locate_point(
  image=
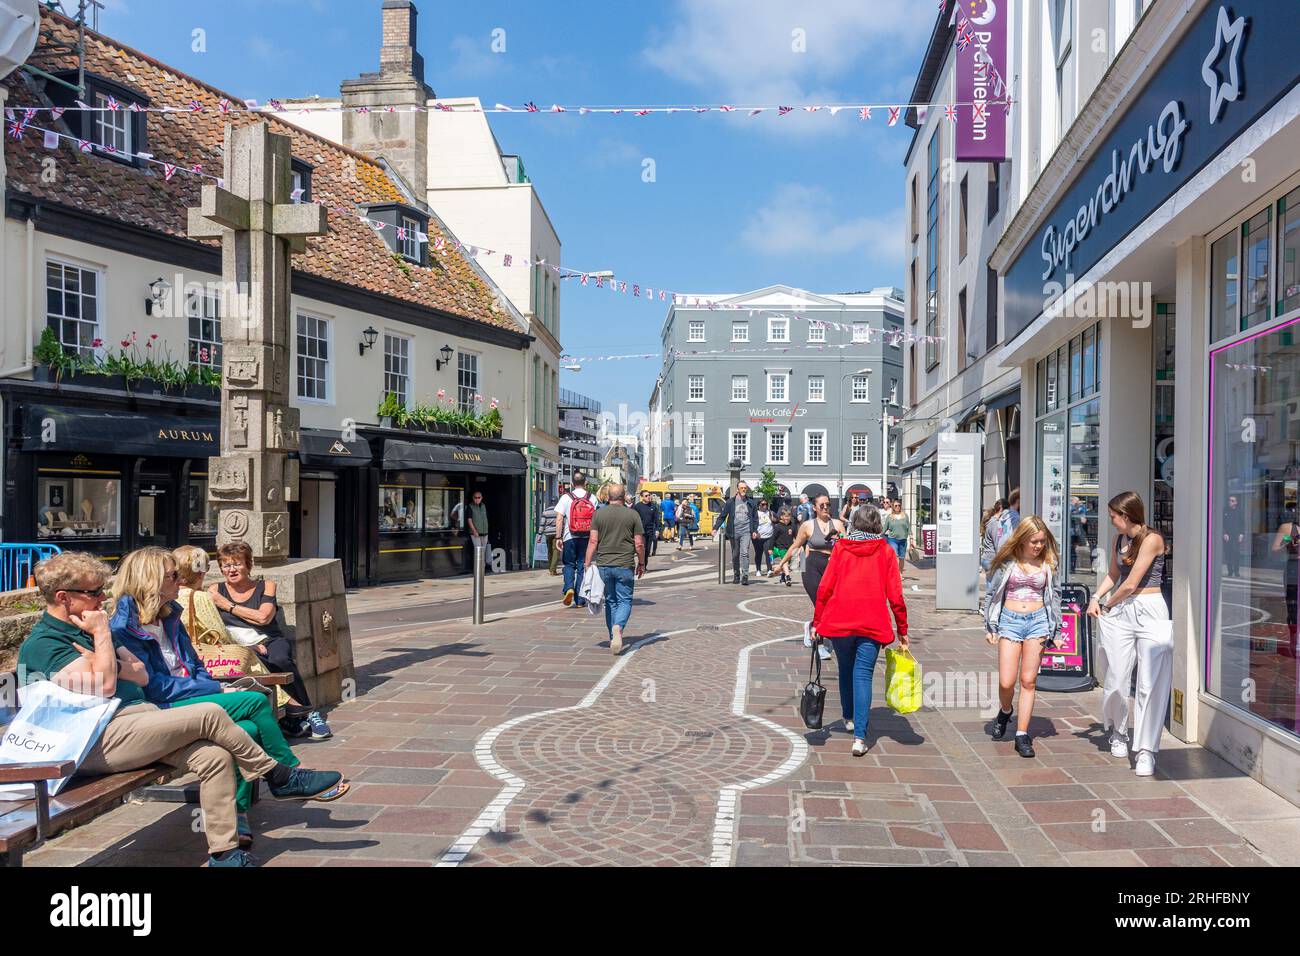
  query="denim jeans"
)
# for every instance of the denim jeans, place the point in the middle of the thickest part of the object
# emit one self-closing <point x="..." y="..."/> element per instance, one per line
<point x="857" y="660"/>
<point x="619" y="583"/>
<point x="575" y="562"/>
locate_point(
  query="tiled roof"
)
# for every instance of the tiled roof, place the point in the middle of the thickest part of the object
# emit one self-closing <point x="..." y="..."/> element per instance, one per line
<point x="351" y="253"/>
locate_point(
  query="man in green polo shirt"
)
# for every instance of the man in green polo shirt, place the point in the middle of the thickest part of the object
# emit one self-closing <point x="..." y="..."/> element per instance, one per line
<point x="73" y="646"/>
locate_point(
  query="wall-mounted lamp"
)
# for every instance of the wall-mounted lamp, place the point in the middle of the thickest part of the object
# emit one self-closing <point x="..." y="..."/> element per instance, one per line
<point x="447" y="353"/>
<point x="369" y="336"/>
<point x="158" y="290"/>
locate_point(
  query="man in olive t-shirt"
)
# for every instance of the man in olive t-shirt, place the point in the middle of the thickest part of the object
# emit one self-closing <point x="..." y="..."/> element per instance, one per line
<point x="617" y="548"/>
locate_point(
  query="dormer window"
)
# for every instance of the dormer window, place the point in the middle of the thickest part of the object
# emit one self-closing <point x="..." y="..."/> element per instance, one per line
<point x="301" y="182"/>
<point x="117" y="130"/>
<point x="404" y="230"/>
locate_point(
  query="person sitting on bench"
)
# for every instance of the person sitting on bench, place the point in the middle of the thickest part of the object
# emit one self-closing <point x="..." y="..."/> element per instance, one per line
<point x="147" y="622"/>
<point x="73" y="646"/>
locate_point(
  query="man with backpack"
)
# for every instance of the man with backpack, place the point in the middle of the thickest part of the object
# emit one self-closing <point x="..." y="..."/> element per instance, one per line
<point x="573" y="515"/>
<point x="1009" y="518"/>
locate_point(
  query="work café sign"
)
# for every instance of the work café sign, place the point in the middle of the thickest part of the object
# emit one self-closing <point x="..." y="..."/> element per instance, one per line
<point x="982" y="126"/>
<point x="1232" y="64"/>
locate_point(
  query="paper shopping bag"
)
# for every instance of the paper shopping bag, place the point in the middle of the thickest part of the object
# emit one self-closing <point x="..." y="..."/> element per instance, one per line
<point x="53" y="724"/>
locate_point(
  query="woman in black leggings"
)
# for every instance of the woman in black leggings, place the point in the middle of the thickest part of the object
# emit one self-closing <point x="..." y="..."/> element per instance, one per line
<point x="818" y="536"/>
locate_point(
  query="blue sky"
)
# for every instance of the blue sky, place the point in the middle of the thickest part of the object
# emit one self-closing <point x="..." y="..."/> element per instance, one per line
<point x="808" y="200"/>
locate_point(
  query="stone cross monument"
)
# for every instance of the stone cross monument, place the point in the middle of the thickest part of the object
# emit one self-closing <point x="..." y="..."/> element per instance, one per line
<point x="259" y="227"/>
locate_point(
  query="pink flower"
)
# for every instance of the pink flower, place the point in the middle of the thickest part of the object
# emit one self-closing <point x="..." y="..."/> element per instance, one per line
<point x="148" y="345"/>
<point x="153" y="337"/>
<point x="495" y="403"/>
<point x="442" y="393"/>
<point x="97" y="344"/>
<point x="478" y="399"/>
<point x="132" y="336"/>
<point x="203" y="355"/>
<point x="125" y="343"/>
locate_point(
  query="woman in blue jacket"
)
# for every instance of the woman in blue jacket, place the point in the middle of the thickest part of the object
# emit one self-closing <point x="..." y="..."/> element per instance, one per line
<point x="147" y="620"/>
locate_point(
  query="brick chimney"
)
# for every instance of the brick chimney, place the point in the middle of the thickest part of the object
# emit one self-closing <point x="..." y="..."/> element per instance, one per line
<point x="398" y="54"/>
<point x="402" y="137"/>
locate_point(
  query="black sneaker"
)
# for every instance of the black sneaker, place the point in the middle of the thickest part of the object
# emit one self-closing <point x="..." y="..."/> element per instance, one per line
<point x="1000" y="725"/>
<point x="745" y="580"/>
<point x="1024" y="746"/>
<point x="295" y="726"/>
<point x="310" y="785"/>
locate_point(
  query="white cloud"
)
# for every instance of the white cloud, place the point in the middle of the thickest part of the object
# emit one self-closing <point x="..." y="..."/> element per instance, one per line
<point x="606" y="152"/>
<point x="742" y="50"/>
<point x="801" y="220"/>
<point x="474" y="57"/>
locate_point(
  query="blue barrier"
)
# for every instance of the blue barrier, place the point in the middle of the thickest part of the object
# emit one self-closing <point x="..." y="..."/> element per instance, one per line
<point x="17" y="561"/>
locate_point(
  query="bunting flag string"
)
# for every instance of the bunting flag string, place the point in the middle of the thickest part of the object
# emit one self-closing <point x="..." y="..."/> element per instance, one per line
<point x="440" y="244"/>
<point x="225" y="106"/>
<point x="687" y="353"/>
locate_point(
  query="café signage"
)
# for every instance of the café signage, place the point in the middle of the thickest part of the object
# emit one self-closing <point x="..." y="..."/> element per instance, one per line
<point x="1233" y="63"/>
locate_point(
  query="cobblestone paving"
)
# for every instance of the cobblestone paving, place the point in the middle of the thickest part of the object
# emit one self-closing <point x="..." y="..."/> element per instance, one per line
<point x="655" y="773"/>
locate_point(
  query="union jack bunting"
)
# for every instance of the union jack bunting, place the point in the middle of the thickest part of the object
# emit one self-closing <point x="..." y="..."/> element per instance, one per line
<point x="531" y="107"/>
<point x="755" y="112"/>
<point x="623" y="287"/>
<point x="168" y="171"/>
<point x="584" y="278"/>
<point x="963" y="42"/>
<point x="893" y="114"/>
<point x="439" y="243"/>
<point x="224" y="105"/>
<point x="864" y="113"/>
<point x="51" y="140"/>
<point x="979" y="111"/>
<point x="15" y="131"/>
<point x="401" y="233"/>
<point x="699" y="109"/>
<point x="85" y="145"/>
<point x="642" y="113"/>
<point x="197" y="168"/>
<point x="135" y="108"/>
<point x="390" y="109"/>
<point x="196" y="106"/>
<point x="276" y="106"/>
<point x="727" y="109"/>
<point x="113" y="104"/>
<point x="557" y="108"/>
<point x="636" y="291"/>
<point x="363" y="109"/>
<point x="56" y="112"/>
<point x="782" y="110"/>
<point x="661" y="295"/>
<point x="951" y="113"/>
<point x="507" y="260"/>
<point x="583" y="111"/>
<point x="600" y="281"/>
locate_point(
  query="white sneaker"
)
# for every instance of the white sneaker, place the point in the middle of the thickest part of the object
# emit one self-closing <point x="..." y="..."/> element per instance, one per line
<point x="807" y="633"/>
<point x="1119" y="747"/>
<point x="824" y="652"/>
<point x="1146" y="764"/>
<point x="848" y="725"/>
<point x="859" y="747"/>
<point x="616" y="640"/>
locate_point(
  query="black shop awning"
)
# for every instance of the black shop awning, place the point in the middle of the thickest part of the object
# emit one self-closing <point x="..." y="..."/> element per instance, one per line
<point x="64" y="428"/>
<point x="922" y="455"/>
<point x="326" y="448"/>
<point x="1008" y="398"/>
<point x="435" y="456"/>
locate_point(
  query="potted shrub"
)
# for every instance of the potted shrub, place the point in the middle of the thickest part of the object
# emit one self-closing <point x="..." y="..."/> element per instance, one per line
<point x="391" y="412"/>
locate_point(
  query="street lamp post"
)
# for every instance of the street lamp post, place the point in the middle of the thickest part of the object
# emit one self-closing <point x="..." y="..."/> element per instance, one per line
<point x="861" y="371"/>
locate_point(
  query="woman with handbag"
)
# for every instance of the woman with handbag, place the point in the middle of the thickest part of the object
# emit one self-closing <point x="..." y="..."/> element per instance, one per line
<point x="148" y="621"/>
<point x="248" y="608"/>
<point x="860" y="587"/>
<point x="1022" y="616"/>
<point x="817" y="536"/>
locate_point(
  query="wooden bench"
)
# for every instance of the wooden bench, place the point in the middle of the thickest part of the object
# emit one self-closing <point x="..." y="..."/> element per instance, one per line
<point x="27" y="823"/>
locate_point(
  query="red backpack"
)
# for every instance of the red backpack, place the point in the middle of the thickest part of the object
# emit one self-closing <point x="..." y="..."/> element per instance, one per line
<point x="580" y="514"/>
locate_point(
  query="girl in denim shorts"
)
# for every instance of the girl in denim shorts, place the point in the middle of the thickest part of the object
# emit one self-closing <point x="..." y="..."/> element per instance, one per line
<point x="1022" y="616"/>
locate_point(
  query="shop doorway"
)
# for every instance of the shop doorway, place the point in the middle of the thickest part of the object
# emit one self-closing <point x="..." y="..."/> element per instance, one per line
<point x="317" y="514"/>
<point x="154" y="512"/>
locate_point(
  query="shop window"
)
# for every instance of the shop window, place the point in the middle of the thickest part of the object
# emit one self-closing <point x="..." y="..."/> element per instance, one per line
<point x="1076" y="368"/>
<point x="72" y="306"/>
<point x="68" y="506"/>
<point x="400" y="503"/>
<point x="443" y="508"/>
<point x="202" y="513"/>
<point x="1254" y="528"/>
<point x="1256" y="239"/>
<point x="1084" y="488"/>
<point x="1223" y="288"/>
<point x="1288" y="252"/>
<point x="1053" y="394"/>
<point x="203" y="310"/>
<point x="1089" y="360"/>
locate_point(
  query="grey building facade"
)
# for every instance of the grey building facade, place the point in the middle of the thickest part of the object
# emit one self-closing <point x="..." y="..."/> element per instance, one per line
<point x="805" y="384"/>
<point x="580" y="449"/>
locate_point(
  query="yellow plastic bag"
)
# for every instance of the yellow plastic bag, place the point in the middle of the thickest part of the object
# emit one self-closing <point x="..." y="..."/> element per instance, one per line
<point x="902" y="681"/>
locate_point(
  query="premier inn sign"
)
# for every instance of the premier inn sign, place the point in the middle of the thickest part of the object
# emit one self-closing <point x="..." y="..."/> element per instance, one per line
<point x="1233" y="62"/>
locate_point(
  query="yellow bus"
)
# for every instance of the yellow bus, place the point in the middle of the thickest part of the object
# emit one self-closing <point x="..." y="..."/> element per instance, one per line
<point x="708" y="498"/>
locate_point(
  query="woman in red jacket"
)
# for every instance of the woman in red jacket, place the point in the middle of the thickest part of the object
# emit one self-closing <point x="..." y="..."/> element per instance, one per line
<point x="861" y="583"/>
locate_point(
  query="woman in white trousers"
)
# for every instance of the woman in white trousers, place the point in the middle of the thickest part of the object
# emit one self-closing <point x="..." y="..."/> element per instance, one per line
<point x="1135" y="629"/>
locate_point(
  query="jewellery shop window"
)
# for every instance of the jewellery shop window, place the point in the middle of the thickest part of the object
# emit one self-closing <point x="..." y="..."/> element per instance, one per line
<point x="401" y="498"/>
<point x="78" y="507"/>
<point x="442" y="508"/>
<point x="202" y="513"/>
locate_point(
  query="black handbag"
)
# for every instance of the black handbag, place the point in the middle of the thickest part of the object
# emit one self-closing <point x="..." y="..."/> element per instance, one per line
<point x="813" y="700"/>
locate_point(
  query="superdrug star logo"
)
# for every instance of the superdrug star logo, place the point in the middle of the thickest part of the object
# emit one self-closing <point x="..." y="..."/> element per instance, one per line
<point x="1225" y="31"/>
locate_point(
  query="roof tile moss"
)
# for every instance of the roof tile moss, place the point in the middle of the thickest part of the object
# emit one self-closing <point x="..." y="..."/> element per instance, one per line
<point x="351" y="252"/>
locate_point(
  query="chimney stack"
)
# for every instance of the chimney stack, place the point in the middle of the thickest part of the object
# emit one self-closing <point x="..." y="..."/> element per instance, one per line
<point x="398" y="54"/>
<point x="401" y="137"/>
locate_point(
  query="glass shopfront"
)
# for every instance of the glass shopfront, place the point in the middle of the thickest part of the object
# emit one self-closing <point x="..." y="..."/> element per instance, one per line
<point x="1254" y="566"/>
<point x="78" y="506"/>
<point x="1069" y="449"/>
<point x="421" y="514"/>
